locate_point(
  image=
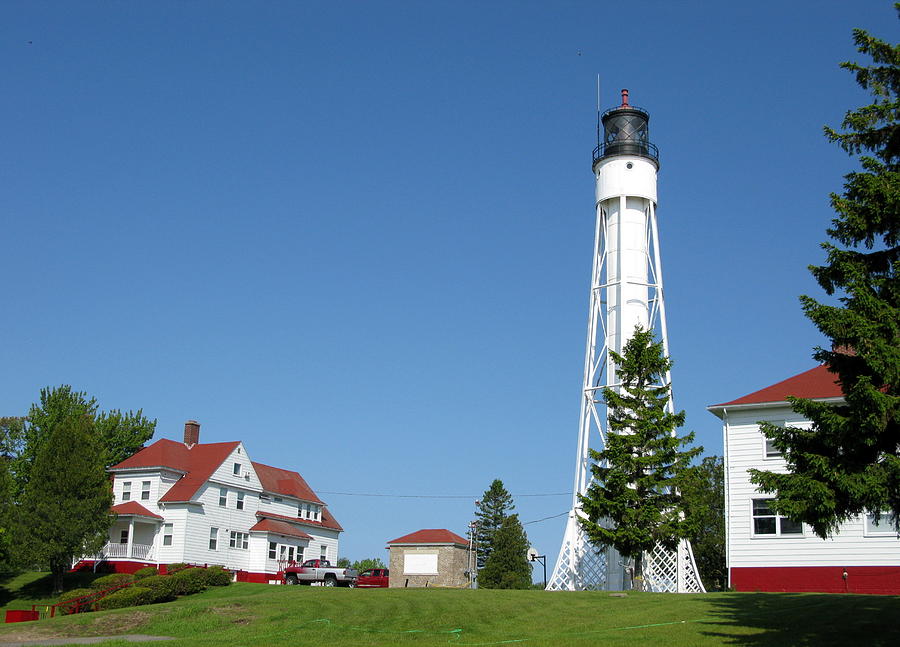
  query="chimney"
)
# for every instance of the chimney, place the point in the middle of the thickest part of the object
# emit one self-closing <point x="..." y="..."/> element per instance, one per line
<point x="191" y="432"/>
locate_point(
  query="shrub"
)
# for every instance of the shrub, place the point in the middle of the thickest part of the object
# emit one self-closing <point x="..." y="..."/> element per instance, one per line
<point x="131" y="597"/>
<point x="110" y="581"/>
<point x="71" y="595"/>
<point x="145" y="572"/>
<point x="217" y="576"/>
<point x="177" y="566"/>
<point x="190" y="580"/>
<point x="163" y="587"/>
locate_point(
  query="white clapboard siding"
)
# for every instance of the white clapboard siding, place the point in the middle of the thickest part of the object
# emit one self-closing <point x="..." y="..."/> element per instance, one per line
<point x="745" y="449"/>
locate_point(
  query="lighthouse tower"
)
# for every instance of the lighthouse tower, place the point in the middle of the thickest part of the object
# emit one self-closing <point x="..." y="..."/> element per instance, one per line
<point x="626" y="290"/>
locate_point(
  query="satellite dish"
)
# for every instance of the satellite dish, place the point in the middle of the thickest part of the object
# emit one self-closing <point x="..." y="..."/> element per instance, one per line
<point x="532" y="553"/>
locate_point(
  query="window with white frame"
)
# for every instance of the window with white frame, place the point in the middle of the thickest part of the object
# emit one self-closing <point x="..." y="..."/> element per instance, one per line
<point x="767" y="523"/>
<point x="145" y="490"/>
<point x="769" y="448"/>
<point x="236" y="469"/>
<point x="316" y="511"/>
<point x="282" y="552"/>
<point x="290" y="553"/>
<point x="126" y="491"/>
<point x="240" y="501"/>
<point x="323" y="553"/>
<point x="299" y="554"/>
<point x="213" y="538"/>
<point x="123" y="536"/>
<point x="880" y="528"/>
<point x="223" y="497"/>
<point x="167" y="534"/>
<point x="273" y="550"/>
<point x="239" y="540"/>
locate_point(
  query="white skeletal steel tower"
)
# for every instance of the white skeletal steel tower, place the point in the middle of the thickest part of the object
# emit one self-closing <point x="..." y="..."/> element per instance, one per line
<point x="626" y="290"/>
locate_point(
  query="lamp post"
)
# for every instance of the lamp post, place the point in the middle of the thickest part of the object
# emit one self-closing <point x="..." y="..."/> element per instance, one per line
<point x="534" y="557"/>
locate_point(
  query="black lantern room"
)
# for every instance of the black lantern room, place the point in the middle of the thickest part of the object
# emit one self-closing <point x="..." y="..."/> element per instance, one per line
<point x="626" y="131"/>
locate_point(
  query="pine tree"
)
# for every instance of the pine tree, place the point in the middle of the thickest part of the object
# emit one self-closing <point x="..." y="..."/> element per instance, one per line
<point x="494" y="506"/>
<point x="849" y="461"/>
<point x="64" y="511"/>
<point x="633" y="503"/>
<point x="508" y="566"/>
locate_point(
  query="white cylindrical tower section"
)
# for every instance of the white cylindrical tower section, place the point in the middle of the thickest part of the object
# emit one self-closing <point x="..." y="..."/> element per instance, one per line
<point x="625" y="167"/>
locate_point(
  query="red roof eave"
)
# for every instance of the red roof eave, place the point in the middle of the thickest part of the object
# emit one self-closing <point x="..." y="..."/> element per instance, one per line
<point x="816" y="384"/>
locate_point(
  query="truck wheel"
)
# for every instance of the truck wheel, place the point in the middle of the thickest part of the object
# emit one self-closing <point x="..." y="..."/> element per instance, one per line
<point x="291" y="579"/>
<point x="330" y="581"/>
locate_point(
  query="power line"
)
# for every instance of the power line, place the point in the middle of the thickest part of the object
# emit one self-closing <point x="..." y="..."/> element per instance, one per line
<point x="546" y="518"/>
<point x="434" y="496"/>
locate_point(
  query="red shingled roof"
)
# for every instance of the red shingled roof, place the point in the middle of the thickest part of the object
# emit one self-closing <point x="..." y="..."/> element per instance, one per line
<point x="280" y="527"/>
<point x="328" y="521"/>
<point x="199" y="462"/>
<point x="817" y="382"/>
<point x="133" y="508"/>
<point x="279" y="481"/>
<point x="431" y="536"/>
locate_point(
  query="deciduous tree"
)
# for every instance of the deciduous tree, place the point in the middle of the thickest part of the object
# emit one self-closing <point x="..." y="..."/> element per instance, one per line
<point x="703" y="491"/>
<point x="848" y="462"/>
<point x="633" y="502"/>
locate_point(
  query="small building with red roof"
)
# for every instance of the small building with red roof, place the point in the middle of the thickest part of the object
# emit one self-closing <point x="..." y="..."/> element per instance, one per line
<point x="767" y="552"/>
<point x="430" y="557"/>
<point x="209" y="503"/>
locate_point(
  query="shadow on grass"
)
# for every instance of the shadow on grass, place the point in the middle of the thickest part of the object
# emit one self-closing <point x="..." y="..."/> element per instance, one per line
<point x="769" y="619"/>
<point x="39" y="588"/>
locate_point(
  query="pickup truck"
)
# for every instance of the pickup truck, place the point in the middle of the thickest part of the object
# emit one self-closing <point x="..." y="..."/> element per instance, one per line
<point x="373" y="578"/>
<point x="318" y="570"/>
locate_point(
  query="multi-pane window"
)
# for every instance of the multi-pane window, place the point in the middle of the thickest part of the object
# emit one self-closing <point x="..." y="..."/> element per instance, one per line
<point x="769" y="449"/>
<point x="167" y="534"/>
<point x="316" y="510"/>
<point x="282" y="552"/>
<point x="236" y="469"/>
<point x="145" y="490"/>
<point x="126" y="491"/>
<point x="323" y="553"/>
<point x="290" y="553"/>
<point x="882" y="527"/>
<point x="273" y="548"/>
<point x="123" y="537"/>
<point x="240" y="501"/>
<point x="299" y="554"/>
<point x="239" y="540"/>
<point x="766" y="522"/>
<point x="223" y="497"/>
<point x="213" y="538"/>
<point x="302" y="511"/>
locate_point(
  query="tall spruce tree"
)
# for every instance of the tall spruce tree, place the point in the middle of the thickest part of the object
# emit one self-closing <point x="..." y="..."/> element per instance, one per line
<point x="64" y="511"/>
<point x="508" y="566"/>
<point x="633" y="502"/>
<point x="490" y="511"/>
<point x="848" y="462"/>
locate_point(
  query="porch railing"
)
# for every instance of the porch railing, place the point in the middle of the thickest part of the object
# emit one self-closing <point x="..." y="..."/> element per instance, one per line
<point x="120" y="551"/>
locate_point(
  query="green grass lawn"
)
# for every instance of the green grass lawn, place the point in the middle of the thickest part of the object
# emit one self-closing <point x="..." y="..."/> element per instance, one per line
<point x="256" y="615"/>
<point x="21" y="590"/>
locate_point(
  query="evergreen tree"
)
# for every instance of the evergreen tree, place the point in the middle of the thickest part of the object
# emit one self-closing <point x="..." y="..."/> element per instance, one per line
<point x="633" y="502"/>
<point x="120" y="434"/>
<point x="494" y="506"/>
<point x="703" y="491"/>
<point x="849" y="461"/>
<point x="64" y="512"/>
<point x="508" y="566"/>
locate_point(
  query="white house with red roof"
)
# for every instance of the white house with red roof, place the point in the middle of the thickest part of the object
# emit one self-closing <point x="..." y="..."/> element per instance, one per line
<point x="208" y="503"/>
<point x="767" y="552"/>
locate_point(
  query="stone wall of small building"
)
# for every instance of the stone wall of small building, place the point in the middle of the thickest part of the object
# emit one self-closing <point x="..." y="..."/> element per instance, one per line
<point x="451" y="566"/>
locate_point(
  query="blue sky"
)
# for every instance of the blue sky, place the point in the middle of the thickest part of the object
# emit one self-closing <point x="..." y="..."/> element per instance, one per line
<point x="357" y="236"/>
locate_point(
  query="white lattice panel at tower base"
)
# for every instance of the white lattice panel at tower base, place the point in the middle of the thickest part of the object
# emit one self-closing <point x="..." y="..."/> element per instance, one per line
<point x="579" y="567"/>
<point x="667" y="571"/>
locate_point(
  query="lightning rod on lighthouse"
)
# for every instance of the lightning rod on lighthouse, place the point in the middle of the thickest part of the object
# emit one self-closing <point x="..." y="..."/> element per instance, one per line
<point x="626" y="290"/>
